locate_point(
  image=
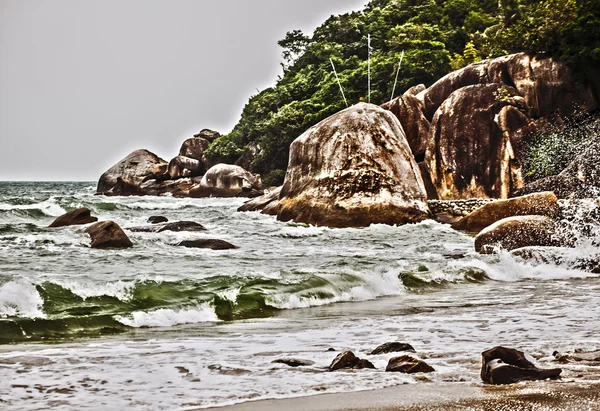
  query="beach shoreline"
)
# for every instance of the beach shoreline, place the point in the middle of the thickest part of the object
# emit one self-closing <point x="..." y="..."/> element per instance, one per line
<point x="546" y="395"/>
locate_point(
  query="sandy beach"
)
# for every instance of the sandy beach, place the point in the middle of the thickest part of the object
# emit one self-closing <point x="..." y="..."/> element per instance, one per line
<point x="548" y="395"/>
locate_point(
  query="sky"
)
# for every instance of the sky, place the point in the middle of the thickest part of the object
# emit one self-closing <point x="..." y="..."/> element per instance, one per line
<point x="84" y="83"/>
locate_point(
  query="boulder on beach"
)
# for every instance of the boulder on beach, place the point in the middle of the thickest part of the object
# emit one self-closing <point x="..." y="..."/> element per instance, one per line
<point x="207" y="243"/>
<point x="544" y="203"/>
<point x="471" y="153"/>
<point x="263" y="202"/>
<point x="516" y="232"/>
<point x="226" y="180"/>
<point x="392" y="347"/>
<point x="502" y="365"/>
<point x="347" y="359"/>
<point x="126" y="177"/>
<point x="76" y="217"/>
<point x="108" y="234"/>
<point x="408" y="365"/>
<point x="353" y="169"/>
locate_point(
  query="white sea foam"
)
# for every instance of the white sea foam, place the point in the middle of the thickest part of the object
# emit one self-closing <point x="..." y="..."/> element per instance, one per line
<point x="49" y="207"/>
<point x="121" y="290"/>
<point x="20" y="299"/>
<point x="167" y="317"/>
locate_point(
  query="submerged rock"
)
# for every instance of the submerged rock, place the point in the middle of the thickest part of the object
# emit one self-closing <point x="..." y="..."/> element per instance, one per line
<point x="353" y="169"/>
<point x="207" y="243"/>
<point x="347" y="359"/>
<point x="126" y="177"/>
<point x="392" y="347"/>
<point x="501" y="365"/>
<point x="157" y="219"/>
<point x="560" y="256"/>
<point x="544" y="203"/>
<point x="108" y="234"/>
<point x="76" y="217"/>
<point x="516" y="232"/>
<point x="408" y="365"/>
<point x="294" y="362"/>
<point x="175" y="226"/>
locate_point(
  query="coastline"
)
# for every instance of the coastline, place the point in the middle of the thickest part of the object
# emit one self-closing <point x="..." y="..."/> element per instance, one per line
<point x="535" y="395"/>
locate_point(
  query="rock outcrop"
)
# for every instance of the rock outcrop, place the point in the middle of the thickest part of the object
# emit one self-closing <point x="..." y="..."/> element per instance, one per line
<point x="225" y="180"/>
<point x="408" y="365"/>
<point x="76" y="217"/>
<point x="126" y="177"/>
<point x="544" y="203"/>
<point x="353" y="169"/>
<point x="266" y="203"/>
<point x="516" y="232"/>
<point x="501" y="365"/>
<point x="108" y="234"/>
<point x="181" y="167"/>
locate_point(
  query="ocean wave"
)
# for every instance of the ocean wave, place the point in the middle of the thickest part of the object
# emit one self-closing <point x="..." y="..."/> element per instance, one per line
<point x="20" y="299"/>
<point x="169" y="317"/>
<point x="49" y="207"/>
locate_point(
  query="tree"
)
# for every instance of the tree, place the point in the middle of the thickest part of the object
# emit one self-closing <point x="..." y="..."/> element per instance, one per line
<point x="294" y="44"/>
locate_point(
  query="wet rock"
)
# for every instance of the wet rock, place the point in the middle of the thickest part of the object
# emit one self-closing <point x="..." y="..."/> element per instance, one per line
<point x="516" y="232"/>
<point x="345" y="359"/>
<point x="363" y="364"/>
<point x="502" y="365"/>
<point x="260" y="203"/>
<point x="157" y="219"/>
<point x="408" y="365"/>
<point x="75" y="217"/>
<point x="392" y="347"/>
<point x="225" y="180"/>
<point x="108" y="234"/>
<point x="592" y="357"/>
<point x="353" y="169"/>
<point x="544" y="203"/>
<point x="126" y="177"/>
<point x="176" y="226"/>
<point x="560" y="256"/>
<point x="294" y="362"/>
<point x="207" y="243"/>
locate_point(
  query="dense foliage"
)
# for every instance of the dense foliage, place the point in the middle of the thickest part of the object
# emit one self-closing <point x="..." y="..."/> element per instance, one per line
<point x="437" y="36"/>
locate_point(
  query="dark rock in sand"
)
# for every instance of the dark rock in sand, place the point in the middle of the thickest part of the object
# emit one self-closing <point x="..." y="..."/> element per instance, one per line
<point x="353" y="169"/>
<point x="408" y="365"/>
<point x="75" y="217"/>
<point x="293" y="362"/>
<point x="263" y="202"/>
<point x="207" y="243"/>
<point x="157" y="219"/>
<point x="176" y="226"/>
<point x="392" y="347"/>
<point x="108" y="234"/>
<point x="516" y="232"/>
<point x="544" y="203"/>
<point x="126" y="177"/>
<point x="501" y="365"/>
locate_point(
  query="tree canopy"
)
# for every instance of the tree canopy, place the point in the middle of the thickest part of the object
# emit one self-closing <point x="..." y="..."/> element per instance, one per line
<point x="436" y="36"/>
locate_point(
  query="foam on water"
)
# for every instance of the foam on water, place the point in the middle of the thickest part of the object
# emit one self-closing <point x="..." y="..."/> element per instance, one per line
<point x="50" y="207"/>
<point x="20" y="299"/>
<point x="170" y="317"/>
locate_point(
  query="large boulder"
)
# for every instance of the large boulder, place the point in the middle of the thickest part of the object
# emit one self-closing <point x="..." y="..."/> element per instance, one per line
<point x="501" y="365"/>
<point x="516" y="232"/>
<point x="194" y="148"/>
<point x="353" y="169"/>
<point x="182" y="167"/>
<point x="108" y="234"/>
<point x="75" y="217"/>
<point x="580" y="179"/>
<point x="126" y="177"/>
<point x="225" y="180"/>
<point x="544" y="203"/>
<point x="471" y="153"/>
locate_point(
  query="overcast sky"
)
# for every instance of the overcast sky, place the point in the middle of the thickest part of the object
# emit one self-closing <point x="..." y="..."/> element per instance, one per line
<point x="83" y="83"/>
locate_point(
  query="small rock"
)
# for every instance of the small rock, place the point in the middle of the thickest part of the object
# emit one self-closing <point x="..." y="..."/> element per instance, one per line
<point x="206" y="243"/>
<point x="293" y="362"/>
<point x="75" y="217"/>
<point x="345" y="359"/>
<point x="408" y="365"/>
<point x="156" y="219"/>
<point x="362" y="364"/>
<point x="108" y="234"/>
<point x="392" y="347"/>
<point x="501" y="365"/>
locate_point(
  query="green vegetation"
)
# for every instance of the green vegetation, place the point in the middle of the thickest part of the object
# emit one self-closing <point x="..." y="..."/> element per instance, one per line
<point x="437" y="37"/>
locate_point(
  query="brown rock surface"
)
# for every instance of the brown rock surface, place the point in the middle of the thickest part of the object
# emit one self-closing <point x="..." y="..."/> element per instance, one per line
<point x="516" y="232"/>
<point x="353" y="169"/>
<point x="544" y="203"/>
<point x="125" y="177"/>
<point x="501" y="365"/>
<point x="108" y="234"/>
<point x="408" y="365"/>
<point x="75" y="217"/>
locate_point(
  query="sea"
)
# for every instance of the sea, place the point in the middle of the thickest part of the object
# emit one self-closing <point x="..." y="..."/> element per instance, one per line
<point x="161" y="327"/>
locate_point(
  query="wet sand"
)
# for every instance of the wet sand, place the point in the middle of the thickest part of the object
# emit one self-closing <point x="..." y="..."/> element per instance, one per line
<point x="455" y="396"/>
